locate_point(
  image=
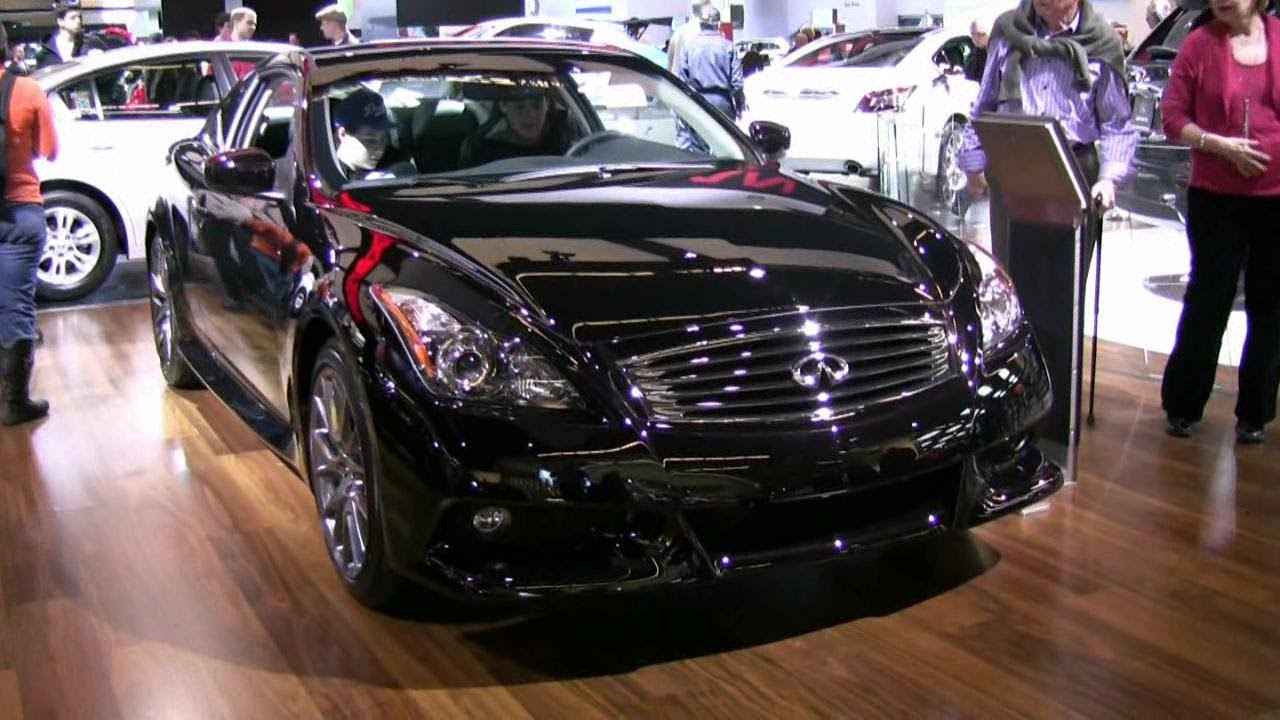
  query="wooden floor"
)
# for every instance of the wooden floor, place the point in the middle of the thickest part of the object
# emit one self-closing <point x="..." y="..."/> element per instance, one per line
<point x="157" y="561"/>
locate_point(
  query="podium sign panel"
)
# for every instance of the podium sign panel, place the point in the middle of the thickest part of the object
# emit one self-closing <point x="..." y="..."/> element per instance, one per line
<point x="1035" y="175"/>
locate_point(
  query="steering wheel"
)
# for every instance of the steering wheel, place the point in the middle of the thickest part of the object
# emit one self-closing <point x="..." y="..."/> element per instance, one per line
<point x="595" y="138"/>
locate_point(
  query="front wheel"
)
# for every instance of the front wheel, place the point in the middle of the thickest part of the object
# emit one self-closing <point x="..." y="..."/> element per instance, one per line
<point x="80" y="248"/>
<point x="164" y="323"/>
<point x="342" y="472"/>
<point x="951" y="180"/>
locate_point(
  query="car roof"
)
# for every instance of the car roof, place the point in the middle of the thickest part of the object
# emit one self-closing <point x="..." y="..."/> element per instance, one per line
<point x="329" y="60"/>
<point x="926" y="34"/>
<point x="390" y="48"/>
<point x="85" y="64"/>
<point x="589" y="23"/>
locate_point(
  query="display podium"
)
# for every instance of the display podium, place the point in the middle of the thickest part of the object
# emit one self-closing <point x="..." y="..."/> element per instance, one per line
<point x="1046" y="198"/>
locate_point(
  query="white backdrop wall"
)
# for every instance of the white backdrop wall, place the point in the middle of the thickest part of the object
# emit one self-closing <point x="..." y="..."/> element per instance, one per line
<point x="781" y="17"/>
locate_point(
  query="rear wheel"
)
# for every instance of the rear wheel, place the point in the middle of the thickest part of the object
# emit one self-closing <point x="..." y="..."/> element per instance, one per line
<point x="164" y="323"/>
<point x="80" y="249"/>
<point x="342" y="472"/>
<point x="950" y="180"/>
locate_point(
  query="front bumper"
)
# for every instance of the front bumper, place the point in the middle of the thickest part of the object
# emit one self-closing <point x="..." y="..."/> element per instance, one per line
<point x="591" y="514"/>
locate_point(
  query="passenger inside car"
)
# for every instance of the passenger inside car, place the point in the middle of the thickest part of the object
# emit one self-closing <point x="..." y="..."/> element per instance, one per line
<point x="526" y="123"/>
<point x="362" y="133"/>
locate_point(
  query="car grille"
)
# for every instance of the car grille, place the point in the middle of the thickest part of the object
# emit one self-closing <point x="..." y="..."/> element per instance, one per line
<point x="746" y="370"/>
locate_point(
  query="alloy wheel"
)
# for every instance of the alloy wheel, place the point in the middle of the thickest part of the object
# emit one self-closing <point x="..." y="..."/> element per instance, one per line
<point x="73" y="247"/>
<point x="161" y="305"/>
<point x="338" y="473"/>
<point x="953" y="178"/>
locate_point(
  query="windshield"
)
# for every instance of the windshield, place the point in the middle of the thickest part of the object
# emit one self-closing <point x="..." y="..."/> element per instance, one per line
<point x="1180" y="29"/>
<point x="869" y="50"/>
<point x="480" y="125"/>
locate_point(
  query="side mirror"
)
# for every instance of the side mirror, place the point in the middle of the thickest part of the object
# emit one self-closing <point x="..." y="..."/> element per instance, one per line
<point x="241" y="172"/>
<point x="1160" y="52"/>
<point x="772" y="139"/>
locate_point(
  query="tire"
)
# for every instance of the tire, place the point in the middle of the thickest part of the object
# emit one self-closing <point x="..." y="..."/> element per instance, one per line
<point x="166" y="328"/>
<point x="81" y="247"/>
<point x="949" y="180"/>
<point x="342" y="470"/>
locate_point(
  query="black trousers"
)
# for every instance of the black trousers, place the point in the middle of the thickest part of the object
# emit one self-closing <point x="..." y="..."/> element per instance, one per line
<point x="1228" y="233"/>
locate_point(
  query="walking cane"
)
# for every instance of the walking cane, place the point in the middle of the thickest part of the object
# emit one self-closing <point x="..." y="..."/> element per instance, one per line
<point x="1095" y="217"/>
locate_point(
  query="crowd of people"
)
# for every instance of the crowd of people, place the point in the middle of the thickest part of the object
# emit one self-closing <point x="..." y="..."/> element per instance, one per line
<point x="71" y="39"/>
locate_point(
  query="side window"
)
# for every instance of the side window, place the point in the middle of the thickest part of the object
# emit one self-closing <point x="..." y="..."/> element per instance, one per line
<point x="270" y="125"/>
<point x="832" y="53"/>
<point x="954" y="53"/>
<point x="164" y="88"/>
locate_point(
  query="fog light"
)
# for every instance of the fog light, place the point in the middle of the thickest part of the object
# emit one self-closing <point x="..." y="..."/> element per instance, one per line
<point x="491" y="519"/>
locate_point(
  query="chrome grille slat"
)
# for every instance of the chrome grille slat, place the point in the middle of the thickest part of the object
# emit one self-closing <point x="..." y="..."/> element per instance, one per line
<point x="870" y="361"/>
<point x="828" y="344"/>
<point x="783" y="381"/>
<point x="916" y="372"/>
<point x="805" y="414"/>
<point x="808" y="403"/>
<point x="890" y="352"/>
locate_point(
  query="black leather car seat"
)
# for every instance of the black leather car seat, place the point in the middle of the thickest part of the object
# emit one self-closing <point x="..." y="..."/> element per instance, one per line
<point x="438" y="129"/>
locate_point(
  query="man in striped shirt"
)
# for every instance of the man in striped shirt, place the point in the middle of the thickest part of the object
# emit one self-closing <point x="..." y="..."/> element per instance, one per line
<point x="1059" y="59"/>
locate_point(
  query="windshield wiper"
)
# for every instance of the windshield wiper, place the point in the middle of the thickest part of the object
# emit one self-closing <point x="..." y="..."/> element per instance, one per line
<point x="605" y="169"/>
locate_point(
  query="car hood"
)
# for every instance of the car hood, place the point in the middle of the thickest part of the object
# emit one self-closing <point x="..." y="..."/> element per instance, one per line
<point x="598" y="253"/>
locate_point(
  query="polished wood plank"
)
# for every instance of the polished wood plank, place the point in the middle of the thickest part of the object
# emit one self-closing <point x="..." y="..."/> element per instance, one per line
<point x="156" y="560"/>
<point x="10" y="698"/>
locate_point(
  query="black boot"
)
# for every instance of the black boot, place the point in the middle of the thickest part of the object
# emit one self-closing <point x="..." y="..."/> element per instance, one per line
<point x="16" y="405"/>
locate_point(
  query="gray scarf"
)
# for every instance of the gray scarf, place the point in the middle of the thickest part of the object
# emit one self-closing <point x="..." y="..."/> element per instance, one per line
<point x="1095" y="39"/>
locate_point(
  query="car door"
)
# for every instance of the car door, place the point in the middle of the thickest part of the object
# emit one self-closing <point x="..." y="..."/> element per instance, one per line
<point x="257" y="258"/>
<point x="204" y="240"/>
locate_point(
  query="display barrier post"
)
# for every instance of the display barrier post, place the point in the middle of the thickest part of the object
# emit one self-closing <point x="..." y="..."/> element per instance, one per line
<point x="1030" y="162"/>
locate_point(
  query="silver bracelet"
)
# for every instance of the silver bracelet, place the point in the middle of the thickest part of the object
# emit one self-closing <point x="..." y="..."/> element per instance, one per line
<point x="1203" y="136"/>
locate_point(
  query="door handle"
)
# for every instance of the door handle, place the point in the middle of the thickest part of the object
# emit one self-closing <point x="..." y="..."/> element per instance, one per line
<point x="102" y="147"/>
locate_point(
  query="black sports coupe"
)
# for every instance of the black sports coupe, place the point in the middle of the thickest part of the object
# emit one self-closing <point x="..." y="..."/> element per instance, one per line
<point x="534" y="318"/>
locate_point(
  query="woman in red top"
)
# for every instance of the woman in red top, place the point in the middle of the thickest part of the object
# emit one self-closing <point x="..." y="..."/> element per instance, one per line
<point x="1222" y="99"/>
<point x="29" y="132"/>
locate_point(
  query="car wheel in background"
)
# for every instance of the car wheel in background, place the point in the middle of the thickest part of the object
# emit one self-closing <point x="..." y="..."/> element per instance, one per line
<point x="950" y="180"/>
<point x="80" y="249"/>
<point x="164" y="323"/>
<point x="341" y="469"/>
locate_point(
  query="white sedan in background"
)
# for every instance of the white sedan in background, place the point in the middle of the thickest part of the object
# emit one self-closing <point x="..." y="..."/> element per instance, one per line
<point x="599" y="32"/>
<point x="117" y="113"/>
<point x="830" y="91"/>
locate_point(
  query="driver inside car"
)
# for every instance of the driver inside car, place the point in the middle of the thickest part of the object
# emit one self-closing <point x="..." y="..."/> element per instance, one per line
<point x="362" y="133"/>
<point x="526" y="124"/>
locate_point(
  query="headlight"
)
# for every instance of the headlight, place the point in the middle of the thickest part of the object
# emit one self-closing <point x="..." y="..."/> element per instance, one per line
<point x="997" y="301"/>
<point x="460" y="360"/>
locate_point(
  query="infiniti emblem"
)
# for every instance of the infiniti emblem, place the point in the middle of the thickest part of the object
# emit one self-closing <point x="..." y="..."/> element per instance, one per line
<point x="821" y="371"/>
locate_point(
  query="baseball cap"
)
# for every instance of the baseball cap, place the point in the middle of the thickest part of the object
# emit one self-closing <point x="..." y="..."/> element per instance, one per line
<point x="363" y="108"/>
<point x="332" y="12"/>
